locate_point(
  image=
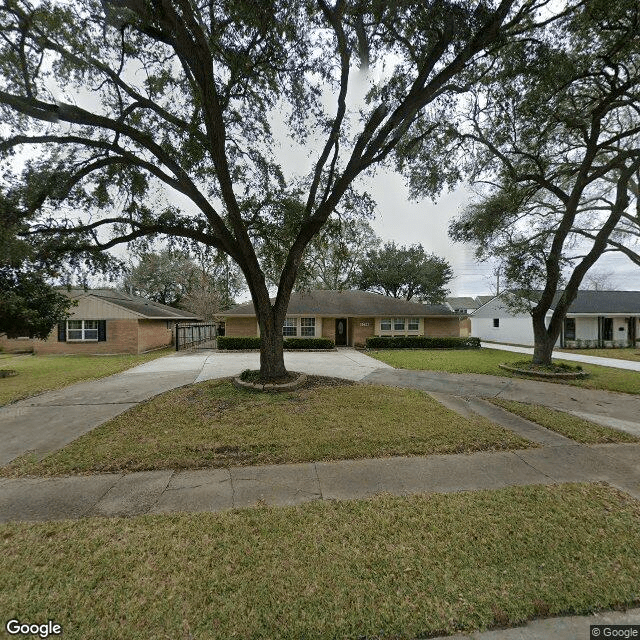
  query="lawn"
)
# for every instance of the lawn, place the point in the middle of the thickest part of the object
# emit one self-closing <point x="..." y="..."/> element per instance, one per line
<point x="213" y="424"/>
<point x="44" y="373"/>
<point x="620" y="354"/>
<point x="387" y="567"/>
<point x="577" y="429"/>
<point x="486" y="361"/>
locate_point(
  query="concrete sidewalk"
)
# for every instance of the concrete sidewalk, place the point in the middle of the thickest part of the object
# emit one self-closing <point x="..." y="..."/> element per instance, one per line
<point x="616" y="363"/>
<point x="556" y="459"/>
<point x="565" y="628"/>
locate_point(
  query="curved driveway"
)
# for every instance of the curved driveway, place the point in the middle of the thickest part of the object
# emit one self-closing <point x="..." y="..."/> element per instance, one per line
<point x="51" y="420"/>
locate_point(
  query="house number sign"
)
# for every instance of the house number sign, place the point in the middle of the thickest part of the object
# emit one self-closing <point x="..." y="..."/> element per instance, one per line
<point x="364" y="324"/>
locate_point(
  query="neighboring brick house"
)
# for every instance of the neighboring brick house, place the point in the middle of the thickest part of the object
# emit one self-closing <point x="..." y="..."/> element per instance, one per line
<point x="349" y="317"/>
<point x="107" y="321"/>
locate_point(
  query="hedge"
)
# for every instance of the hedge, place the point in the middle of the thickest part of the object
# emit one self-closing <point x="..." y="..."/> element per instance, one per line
<point x="421" y="342"/>
<point x="253" y="342"/>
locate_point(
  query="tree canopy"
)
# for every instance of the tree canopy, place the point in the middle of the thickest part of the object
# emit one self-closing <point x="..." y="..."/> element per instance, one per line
<point x="556" y="136"/>
<point x="405" y="272"/>
<point x="153" y="117"/>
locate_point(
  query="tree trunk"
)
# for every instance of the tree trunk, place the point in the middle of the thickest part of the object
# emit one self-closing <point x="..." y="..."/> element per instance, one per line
<point x="271" y="347"/>
<point x="543" y="342"/>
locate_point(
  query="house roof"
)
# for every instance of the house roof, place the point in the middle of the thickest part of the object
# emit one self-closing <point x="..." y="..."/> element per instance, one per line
<point x="484" y="299"/>
<point x="464" y="302"/>
<point x="349" y="303"/>
<point x="586" y="302"/>
<point x="606" y="302"/>
<point x="141" y="306"/>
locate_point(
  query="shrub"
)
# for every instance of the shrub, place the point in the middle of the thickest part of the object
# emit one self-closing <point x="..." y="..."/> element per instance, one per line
<point x="421" y="342"/>
<point x="228" y="342"/>
<point x="253" y="342"/>
<point x="308" y="343"/>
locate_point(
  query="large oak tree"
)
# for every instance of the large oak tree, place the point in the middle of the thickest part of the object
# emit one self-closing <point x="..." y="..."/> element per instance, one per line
<point x="115" y="98"/>
<point x="556" y="136"/>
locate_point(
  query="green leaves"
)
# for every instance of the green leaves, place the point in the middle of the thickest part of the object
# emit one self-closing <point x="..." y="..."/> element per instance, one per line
<point x="405" y="272"/>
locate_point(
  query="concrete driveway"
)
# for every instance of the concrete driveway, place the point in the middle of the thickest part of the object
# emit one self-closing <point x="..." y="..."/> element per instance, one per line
<point x="343" y="363"/>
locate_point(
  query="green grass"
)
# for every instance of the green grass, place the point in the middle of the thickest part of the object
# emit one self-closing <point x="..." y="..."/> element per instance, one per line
<point x="620" y="354"/>
<point x="213" y="424"/>
<point x="388" y="567"/>
<point x="486" y="361"/>
<point x="45" y="373"/>
<point x="568" y="425"/>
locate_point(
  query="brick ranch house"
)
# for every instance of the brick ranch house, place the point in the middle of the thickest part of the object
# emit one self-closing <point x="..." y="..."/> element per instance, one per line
<point x="107" y="321"/>
<point x="349" y="317"/>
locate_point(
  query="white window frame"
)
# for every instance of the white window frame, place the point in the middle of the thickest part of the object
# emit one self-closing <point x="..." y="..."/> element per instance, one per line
<point x="311" y="324"/>
<point x="290" y="323"/>
<point x="83" y="331"/>
<point x="386" y="321"/>
<point x="413" y="324"/>
<point x="396" y="323"/>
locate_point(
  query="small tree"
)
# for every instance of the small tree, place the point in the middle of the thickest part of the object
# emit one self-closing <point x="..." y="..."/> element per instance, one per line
<point x="405" y="272"/>
<point x="181" y="94"/>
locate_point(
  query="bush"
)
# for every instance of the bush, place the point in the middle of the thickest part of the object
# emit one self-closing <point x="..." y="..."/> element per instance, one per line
<point x="253" y="342"/>
<point x="421" y="342"/>
<point x="228" y="342"/>
<point x="308" y="343"/>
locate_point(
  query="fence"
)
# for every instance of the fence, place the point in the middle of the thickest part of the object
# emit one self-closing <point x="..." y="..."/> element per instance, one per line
<point x="192" y="336"/>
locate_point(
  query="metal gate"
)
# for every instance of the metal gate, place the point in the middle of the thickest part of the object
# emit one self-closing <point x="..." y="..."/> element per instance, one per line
<point x="196" y="336"/>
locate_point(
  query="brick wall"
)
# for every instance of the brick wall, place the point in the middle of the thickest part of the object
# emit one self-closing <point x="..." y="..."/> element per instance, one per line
<point x="241" y="327"/>
<point x="153" y="334"/>
<point x="465" y="327"/>
<point x="329" y="328"/>
<point x="358" y="334"/>
<point x="442" y="327"/>
<point x="122" y="337"/>
<point x="16" y="345"/>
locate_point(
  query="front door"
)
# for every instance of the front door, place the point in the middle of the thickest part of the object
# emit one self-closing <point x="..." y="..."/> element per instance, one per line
<point x="341" y="332"/>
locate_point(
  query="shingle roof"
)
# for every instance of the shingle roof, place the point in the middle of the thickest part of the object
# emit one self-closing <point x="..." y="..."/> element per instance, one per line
<point x="349" y="303"/>
<point x="464" y="302"/>
<point x="606" y="302"/>
<point x="146" y="308"/>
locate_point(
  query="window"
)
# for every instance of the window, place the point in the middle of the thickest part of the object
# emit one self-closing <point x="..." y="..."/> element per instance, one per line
<point x="385" y="324"/>
<point x="290" y="328"/>
<point x="307" y="327"/>
<point x="398" y="324"/>
<point x="569" y="328"/>
<point x="496" y="322"/>
<point x="414" y="324"/>
<point x="82" y="330"/>
<point x="607" y="329"/>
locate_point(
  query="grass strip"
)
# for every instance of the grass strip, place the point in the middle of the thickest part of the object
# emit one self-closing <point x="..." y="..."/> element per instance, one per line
<point x="568" y="425"/>
<point x="46" y="373"/>
<point x="214" y="424"/>
<point x="486" y="361"/>
<point x="388" y="567"/>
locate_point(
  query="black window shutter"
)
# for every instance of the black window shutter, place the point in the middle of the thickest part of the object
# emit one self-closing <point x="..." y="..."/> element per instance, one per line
<point x="62" y="331"/>
<point x="102" y="330"/>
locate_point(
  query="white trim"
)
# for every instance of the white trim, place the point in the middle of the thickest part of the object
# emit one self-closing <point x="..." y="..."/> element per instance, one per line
<point x="82" y="330"/>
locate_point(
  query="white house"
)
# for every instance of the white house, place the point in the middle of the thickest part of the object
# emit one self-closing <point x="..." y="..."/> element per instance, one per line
<point x="595" y="319"/>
